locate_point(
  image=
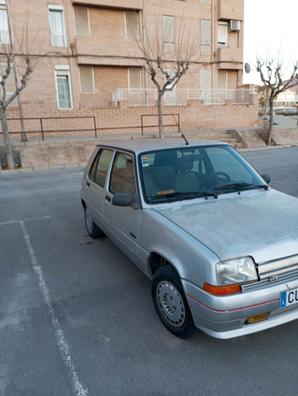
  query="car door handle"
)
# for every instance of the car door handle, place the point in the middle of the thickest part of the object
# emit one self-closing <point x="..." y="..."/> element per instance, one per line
<point x="88" y="184"/>
<point x="108" y="198"/>
<point x="132" y="235"/>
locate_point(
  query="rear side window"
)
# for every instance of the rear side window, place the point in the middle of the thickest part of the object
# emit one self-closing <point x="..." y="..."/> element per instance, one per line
<point x="122" y="179"/>
<point x="100" y="167"/>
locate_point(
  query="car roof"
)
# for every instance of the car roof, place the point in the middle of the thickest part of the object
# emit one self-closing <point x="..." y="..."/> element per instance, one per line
<point x="140" y="146"/>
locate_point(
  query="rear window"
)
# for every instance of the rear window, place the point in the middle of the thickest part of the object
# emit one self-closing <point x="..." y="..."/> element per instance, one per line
<point x="100" y="167"/>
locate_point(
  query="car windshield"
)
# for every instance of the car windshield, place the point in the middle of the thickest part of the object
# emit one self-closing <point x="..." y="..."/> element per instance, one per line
<point x="192" y="172"/>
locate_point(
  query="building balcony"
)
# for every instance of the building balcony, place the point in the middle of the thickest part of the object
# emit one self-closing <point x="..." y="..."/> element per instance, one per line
<point x="230" y="9"/>
<point x="229" y="58"/>
<point x="123" y="52"/>
<point x="117" y="4"/>
<point x="181" y="97"/>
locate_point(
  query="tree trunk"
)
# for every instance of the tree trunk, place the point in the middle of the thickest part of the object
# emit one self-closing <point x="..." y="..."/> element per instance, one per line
<point x="159" y="108"/>
<point x="6" y="140"/>
<point x="269" y="140"/>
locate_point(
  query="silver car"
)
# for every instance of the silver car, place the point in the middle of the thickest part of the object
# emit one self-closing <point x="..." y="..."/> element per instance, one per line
<point x="220" y="246"/>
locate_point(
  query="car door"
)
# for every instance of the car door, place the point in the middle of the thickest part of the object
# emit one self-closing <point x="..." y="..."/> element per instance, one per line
<point x="96" y="183"/>
<point x="124" y="221"/>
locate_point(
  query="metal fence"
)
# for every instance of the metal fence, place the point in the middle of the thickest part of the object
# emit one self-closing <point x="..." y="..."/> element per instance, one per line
<point x="71" y="126"/>
<point x="174" y="117"/>
<point x="180" y="97"/>
<point x="43" y="126"/>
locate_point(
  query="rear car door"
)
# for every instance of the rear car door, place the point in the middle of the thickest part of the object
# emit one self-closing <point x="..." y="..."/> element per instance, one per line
<point x="125" y="221"/>
<point x="95" y="184"/>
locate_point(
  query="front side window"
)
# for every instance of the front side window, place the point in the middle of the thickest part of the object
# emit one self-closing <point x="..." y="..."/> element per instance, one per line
<point x="193" y="172"/>
<point x="122" y="178"/>
<point x="100" y="167"/>
<point x="63" y="89"/>
<point x="57" y="27"/>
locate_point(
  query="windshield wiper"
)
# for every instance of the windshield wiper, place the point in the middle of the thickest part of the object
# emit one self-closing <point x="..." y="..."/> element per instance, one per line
<point x="241" y="186"/>
<point x="185" y="195"/>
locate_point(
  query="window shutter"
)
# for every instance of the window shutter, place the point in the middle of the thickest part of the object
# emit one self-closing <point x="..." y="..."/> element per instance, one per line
<point x="82" y="22"/>
<point x="205" y="80"/>
<point x="168" y="29"/>
<point x="86" y="77"/>
<point x="222" y="32"/>
<point x="132" y="25"/>
<point x="206" y="36"/>
<point x="134" y="78"/>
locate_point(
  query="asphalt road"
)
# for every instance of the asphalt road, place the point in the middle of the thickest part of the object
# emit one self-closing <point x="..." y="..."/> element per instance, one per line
<point x="76" y="316"/>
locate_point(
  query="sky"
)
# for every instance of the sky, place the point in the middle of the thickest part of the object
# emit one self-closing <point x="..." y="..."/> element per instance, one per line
<point x="270" y="31"/>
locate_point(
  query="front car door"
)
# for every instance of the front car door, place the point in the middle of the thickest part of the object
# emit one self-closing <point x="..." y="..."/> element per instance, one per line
<point x="124" y="221"/>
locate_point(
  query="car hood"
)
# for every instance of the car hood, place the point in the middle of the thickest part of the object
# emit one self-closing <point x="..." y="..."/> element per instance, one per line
<point x="258" y="223"/>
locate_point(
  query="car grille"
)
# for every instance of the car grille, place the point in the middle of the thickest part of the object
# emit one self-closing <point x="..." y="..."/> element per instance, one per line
<point x="275" y="273"/>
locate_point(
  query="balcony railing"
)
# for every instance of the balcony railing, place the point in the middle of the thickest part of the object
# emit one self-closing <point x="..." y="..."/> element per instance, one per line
<point x="181" y="97"/>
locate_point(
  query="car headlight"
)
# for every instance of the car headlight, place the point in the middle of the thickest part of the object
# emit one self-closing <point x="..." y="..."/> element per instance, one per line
<point x="236" y="271"/>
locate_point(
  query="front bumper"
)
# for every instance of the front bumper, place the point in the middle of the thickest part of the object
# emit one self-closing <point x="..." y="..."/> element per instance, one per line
<point x="225" y="317"/>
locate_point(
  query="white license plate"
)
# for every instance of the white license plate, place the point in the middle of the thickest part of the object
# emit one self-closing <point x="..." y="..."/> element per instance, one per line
<point x="288" y="298"/>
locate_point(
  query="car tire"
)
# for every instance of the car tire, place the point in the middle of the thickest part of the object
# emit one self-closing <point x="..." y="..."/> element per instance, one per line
<point x="170" y="302"/>
<point x="93" y="230"/>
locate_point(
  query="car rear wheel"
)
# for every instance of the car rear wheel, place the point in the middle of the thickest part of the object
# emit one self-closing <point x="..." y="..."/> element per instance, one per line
<point x="92" y="229"/>
<point x="170" y="302"/>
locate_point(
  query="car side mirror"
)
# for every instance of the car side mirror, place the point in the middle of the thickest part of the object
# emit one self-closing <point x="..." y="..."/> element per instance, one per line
<point x="266" y="178"/>
<point x="123" y="199"/>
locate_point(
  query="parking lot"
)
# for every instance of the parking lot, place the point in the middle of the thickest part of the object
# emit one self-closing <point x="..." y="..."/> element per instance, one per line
<point x="76" y="316"/>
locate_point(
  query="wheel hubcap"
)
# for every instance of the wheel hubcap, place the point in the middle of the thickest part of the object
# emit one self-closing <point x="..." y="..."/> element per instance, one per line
<point x="170" y="303"/>
<point x="89" y="222"/>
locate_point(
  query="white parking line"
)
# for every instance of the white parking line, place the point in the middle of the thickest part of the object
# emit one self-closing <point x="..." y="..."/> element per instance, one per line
<point x="27" y="219"/>
<point x="62" y="343"/>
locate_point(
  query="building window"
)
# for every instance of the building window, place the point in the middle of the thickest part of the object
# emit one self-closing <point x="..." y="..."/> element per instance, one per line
<point x="134" y="78"/>
<point x="205" y="80"/>
<point x="206" y="37"/>
<point x="168" y="30"/>
<point x="57" y="26"/>
<point x="87" y="79"/>
<point x="63" y="87"/>
<point x="222" y="33"/>
<point x="4" y="33"/>
<point x="222" y="80"/>
<point x="10" y="81"/>
<point x="132" y="25"/>
<point x="82" y="21"/>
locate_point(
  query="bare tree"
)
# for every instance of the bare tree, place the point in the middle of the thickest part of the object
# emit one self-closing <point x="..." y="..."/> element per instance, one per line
<point x="271" y="74"/>
<point x="17" y="60"/>
<point x="168" y="56"/>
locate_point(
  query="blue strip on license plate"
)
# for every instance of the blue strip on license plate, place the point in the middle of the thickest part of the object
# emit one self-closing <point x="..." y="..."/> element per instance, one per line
<point x="288" y="298"/>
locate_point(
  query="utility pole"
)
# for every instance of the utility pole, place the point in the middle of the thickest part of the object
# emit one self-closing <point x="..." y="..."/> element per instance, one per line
<point x="20" y="107"/>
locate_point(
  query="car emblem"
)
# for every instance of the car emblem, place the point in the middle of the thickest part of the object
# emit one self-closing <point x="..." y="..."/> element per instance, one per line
<point x="273" y="278"/>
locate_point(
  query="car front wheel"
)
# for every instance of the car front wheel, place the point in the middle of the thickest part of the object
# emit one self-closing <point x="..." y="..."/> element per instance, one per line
<point x="170" y="302"/>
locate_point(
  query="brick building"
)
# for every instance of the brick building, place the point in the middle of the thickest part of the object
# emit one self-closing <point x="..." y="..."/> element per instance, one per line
<point x="89" y="63"/>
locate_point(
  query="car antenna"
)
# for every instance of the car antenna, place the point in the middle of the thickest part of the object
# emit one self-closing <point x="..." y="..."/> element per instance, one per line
<point x="185" y="139"/>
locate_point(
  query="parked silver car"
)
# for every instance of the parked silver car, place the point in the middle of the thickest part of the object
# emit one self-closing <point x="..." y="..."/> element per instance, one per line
<point x="220" y="245"/>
